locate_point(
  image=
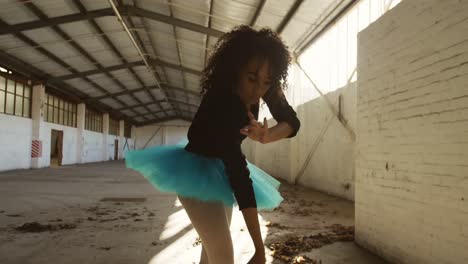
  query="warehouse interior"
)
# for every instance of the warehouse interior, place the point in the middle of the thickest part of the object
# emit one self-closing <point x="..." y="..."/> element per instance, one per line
<point x="378" y="172"/>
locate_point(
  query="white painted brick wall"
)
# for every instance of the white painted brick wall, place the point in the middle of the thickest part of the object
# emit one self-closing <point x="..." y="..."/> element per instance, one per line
<point x="411" y="195"/>
<point x="331" y="167"/>
<point x="69" y="143"/>
<point x="170" y="133"/>
<point x="15" y="142"/>
<point x="16" y="137"/>
<point x="93" y="145"/>
<point x="274" y="158"/>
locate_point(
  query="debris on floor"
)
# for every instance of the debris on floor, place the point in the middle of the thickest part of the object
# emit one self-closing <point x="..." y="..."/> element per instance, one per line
<point x="282" y="227"/>
<point x="99" y="212"/>
<point x="123" y="199"/>
<point x="197" y="242"/>
<point x="15" y="215"/>
<point x="279" y="208"/>
<point x="105" y="248"/>
<point x="94" y="241"/>
<point x="35" y="227"/>
<point x="305" y="259"/>
<point x="92" y="209"/>
<point x="307" y="212"/>
<point x="108" y="220"/>
<point x="275" y="225"/>
<point x="289" y="249"/>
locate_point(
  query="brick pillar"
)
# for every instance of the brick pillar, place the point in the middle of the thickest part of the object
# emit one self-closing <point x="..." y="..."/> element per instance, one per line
<point x="105" y="134"/>
<point x="38" y="133"/>
<point x="80" y="127"/>
<point x="121" y="138"/>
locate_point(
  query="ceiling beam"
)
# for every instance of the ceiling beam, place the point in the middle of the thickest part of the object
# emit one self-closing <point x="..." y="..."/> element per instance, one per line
<point x="54" y="58"/>
<point x="149" y="122"/>
<point x="154" y="121"/>
<point x="34" y="74"/>
<point x="54" y="21"/>
<point x="96" y="71"/>
<point x="143" y="89"/>
<point x="140" y="47"/>
<point x="207" y="38"/>
<point x="125" y="65"/>
<point x="136" y="11"/>
<point x="150" y="103"/>
<point x="160" y="111"/>
<point x="179" y="55"/>
<point x="291" y="12"/>
<point x="258" y="10"/>
<point x="130" y="19"/>
<point x="174" y="66"/>
<point x="39" y="13"/>
<point x="66" y="91"/>
<point x="321" y="27"/>
<point x="147" y="57"/>
<point x="151" y="43"/>
<point x="125" y="10"/>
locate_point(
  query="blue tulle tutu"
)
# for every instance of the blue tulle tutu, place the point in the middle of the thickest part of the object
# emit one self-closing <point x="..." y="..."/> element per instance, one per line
<point x="172" y="169"/>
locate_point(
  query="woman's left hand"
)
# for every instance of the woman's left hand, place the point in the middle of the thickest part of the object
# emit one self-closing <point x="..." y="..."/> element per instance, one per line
<point x="255" y="130"/>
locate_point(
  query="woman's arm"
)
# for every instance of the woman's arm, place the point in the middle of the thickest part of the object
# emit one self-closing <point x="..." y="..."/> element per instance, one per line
<point x="236" y="168"/>
<point x="251" y="220"/>
<point x="280" y="131"/>
<point x="288" y="123"/>
<point x="261" y="133"/>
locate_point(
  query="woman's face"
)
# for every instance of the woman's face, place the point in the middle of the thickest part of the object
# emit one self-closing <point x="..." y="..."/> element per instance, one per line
<point x="254" y="81"/>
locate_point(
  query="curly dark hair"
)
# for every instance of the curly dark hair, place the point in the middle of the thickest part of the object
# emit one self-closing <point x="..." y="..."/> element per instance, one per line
<point x="234" y="49"/>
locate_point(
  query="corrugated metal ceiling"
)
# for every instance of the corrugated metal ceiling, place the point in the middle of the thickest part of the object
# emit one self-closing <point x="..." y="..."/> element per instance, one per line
<point x="80" y="46"/>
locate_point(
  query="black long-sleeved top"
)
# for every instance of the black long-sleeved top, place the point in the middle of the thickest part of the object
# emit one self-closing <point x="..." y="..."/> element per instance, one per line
<point x="215" y="132"/>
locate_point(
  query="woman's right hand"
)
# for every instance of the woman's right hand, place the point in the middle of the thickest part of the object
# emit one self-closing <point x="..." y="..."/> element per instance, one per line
<point x="258" y="258"/>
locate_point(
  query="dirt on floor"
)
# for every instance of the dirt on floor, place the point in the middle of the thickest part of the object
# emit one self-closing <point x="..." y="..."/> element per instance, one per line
<point x="78" y="216"/>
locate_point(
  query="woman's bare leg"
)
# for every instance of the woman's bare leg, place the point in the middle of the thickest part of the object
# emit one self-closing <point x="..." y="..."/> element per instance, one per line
<point x="211" y="221"/>
<point x="204" y="256"/>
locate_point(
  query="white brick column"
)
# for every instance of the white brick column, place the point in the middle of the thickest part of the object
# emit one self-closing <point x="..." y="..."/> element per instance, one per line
<point x="411" y="185"/>
<point x="38" y="133"/>
<point x="105" y="134"/>
<point x="121" y="138"/>
<point x="80" y="127"/>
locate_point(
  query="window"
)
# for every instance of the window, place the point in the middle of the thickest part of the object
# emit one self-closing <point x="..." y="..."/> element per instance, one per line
<point x="15" y="98"/>
<point x="113" y="127"/>
<point x="331" y="60"/>
<point x="93" y="121"/>
<point x="59" y="111"/>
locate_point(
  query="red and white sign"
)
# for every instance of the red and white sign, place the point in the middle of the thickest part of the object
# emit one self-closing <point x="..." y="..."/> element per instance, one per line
<point x="36" y="150"/>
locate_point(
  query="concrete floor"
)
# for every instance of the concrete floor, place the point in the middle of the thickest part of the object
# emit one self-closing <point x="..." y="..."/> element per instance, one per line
<point x="94" y="226"/>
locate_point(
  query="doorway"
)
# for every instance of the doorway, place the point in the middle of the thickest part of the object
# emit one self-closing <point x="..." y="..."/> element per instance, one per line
<point x="56" y="148"/>
<point x="116" y="149"/>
